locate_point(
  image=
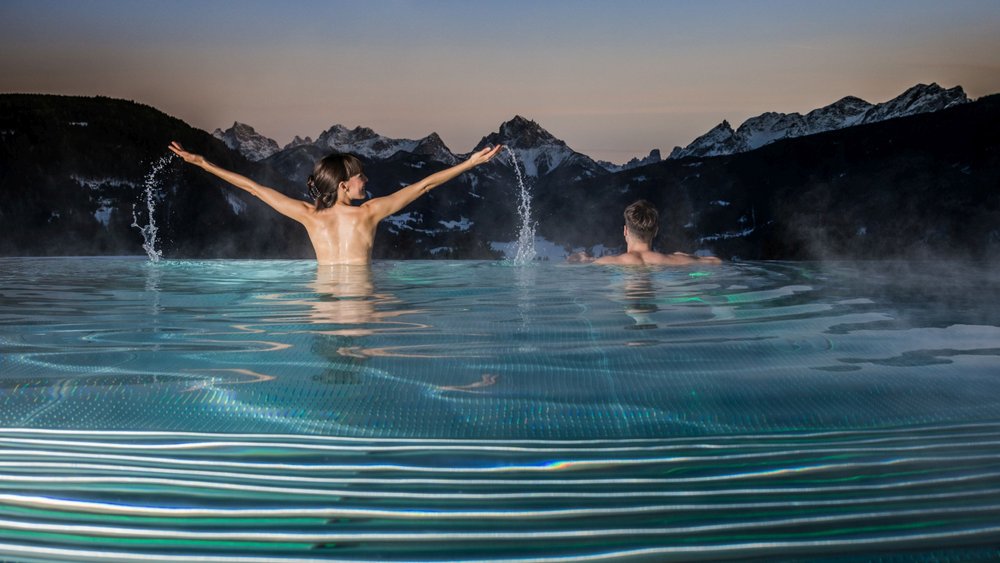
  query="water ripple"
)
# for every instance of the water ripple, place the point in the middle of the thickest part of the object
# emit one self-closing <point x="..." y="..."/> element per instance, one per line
<point x="306" y="500"/>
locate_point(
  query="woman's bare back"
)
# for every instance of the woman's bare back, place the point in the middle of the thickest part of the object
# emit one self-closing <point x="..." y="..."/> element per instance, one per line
<point x="341" y="234"/>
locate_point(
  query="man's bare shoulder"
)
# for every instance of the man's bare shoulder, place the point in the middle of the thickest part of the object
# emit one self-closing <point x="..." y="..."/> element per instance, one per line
<point x="626" y="259"/>
<point x="652" y="258"/>
<point x="660" y="259"/>
<point x="677" y="259"/>
<point x="646" y="258"/>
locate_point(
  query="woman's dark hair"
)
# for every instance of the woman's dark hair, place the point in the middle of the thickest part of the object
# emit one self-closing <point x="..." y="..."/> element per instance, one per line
<point x="328" y="173"/>
<point x="642" y="220"/>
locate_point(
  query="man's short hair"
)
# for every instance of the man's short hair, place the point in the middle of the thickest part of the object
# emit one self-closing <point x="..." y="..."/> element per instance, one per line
<point x="642" y="220"/>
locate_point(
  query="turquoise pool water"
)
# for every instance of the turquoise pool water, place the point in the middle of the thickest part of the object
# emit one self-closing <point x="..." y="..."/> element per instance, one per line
<point x="438" y="411"/>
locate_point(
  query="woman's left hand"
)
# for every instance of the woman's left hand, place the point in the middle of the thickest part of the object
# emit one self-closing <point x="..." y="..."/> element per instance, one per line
<point x="188" y="157"/>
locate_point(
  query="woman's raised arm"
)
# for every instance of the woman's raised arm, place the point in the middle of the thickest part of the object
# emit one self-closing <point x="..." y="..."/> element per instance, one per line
<point x="287" y="206"/>
<point x="383" y="207"/>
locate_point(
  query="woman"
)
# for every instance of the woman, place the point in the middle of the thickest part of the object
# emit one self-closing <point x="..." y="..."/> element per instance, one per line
<point x="341" y="233"/>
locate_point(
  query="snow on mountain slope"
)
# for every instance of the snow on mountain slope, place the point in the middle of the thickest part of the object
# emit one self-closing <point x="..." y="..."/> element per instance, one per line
<point x="846" y="112"/>
<point x="922" y="98"/>
<point x="365" y="142"/>
<point x="539" y="152"/>
<point x="653" y="158"/>
<point x="242" y="138"/>
<point x="719" y="140"/>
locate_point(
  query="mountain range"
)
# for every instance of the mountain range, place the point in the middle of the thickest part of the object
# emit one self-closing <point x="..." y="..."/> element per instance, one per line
<point x="913" y="175"/>
<point x="542" y="153"/>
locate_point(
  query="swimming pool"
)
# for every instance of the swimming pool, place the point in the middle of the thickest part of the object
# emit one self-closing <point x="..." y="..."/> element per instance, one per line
<point x="276" y="411"/>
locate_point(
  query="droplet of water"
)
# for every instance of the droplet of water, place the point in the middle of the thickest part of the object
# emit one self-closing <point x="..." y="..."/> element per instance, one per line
<point x="148" y="231"/>
<point x="526" y="233"/>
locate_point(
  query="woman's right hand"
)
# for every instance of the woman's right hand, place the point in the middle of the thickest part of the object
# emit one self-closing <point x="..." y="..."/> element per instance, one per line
<point x="484" y="155"/>
<point x="188" y="157"/>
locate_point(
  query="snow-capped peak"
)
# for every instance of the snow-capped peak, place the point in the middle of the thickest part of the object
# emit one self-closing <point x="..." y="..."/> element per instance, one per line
<point x="342" y="139"/>
<point x="845" y="112"/>
<point x="298" y="142"/>
<point x="922" y="98"/>
<point x="537" y="150"/>
<point x="242" y="138"/>
<point x="365" y="142"/>
<point x="522" y="133"/>
<point x="721" y="139"/>
<point x="433" y="146"/>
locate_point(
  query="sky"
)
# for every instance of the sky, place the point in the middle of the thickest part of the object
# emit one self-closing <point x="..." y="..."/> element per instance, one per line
<point x="614" y="79"/>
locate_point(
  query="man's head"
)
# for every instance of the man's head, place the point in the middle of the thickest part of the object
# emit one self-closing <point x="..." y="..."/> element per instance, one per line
<point x="642" y="220"/>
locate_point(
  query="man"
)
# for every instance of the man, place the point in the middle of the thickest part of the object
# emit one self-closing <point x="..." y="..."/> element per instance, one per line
<point x="641" y="224"/>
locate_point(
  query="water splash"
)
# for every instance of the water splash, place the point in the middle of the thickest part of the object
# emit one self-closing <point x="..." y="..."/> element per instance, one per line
<point x="526" y="233"/>
<point x="148" y="231"/>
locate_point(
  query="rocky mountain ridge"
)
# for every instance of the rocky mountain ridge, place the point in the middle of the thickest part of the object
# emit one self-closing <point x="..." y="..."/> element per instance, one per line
<point x="247" y="141"/>
<point x="652" y="158"/>
<point x="540" y="152"/>
<point x="846" y="112"/>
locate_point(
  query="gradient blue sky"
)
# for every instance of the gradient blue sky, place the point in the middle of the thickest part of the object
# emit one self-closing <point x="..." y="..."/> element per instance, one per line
<point x="613" y="79"/>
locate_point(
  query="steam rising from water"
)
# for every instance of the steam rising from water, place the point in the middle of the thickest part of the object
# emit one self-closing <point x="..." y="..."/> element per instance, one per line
<point x="526" y="234"/>
<point x="148" y="231"/>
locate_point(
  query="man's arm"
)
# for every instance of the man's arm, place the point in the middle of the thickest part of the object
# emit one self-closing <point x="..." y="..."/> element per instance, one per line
<point x="584" y="258"/>
<point x="680" y="259"/>
<point x="620" y="259"/>
<point x="287" y="206"/>
<point x="685" y="258"/>
<point x="382" y="207"/>
<point x="579" y="258"/>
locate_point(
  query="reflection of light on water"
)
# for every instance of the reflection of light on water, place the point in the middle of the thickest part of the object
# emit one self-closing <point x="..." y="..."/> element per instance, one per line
<point x="525" y="279"/>
<point x="153" y="289"/>
<point x="343" y="297"/>
<point x="640" y="300"/>
<point x="486" y="380"/>
<point x="213" y="384"/>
